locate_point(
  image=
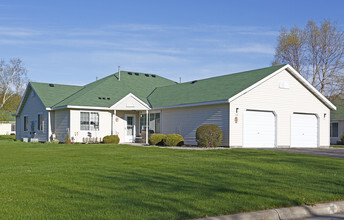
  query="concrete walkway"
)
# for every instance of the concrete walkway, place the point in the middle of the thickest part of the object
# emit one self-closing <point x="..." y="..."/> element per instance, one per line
<point x="326" y="152"/>
<point x="329" y="210"/>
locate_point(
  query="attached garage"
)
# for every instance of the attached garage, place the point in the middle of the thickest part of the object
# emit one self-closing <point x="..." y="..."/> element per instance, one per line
<point x="304" y="130"/>
<point x="259" y="129"/>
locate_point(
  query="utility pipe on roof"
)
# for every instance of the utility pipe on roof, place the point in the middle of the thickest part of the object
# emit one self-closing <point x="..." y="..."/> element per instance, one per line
<point x="119" y="73"/>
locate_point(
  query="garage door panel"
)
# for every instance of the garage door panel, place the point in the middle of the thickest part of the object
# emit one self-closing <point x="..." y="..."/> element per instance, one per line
<point x="259" y="129"/>
<point x="304" y="130"/>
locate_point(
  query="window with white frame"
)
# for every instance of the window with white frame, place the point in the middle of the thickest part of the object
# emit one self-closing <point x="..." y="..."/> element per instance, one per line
<point x="89" y="121"/>
<point x="334" y="129"/>
<point x="40" y="122"/>
<point x="153" y="122"/>
<point x="26" y="123"/>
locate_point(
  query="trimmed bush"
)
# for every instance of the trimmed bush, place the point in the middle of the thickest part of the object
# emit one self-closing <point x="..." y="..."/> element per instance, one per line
<point x="174" y="140"/>
<point x="157" y="139"/>
<point x="111" y="139"/>
<point x="55" y="141"/>
<point x="342" y="138"/>
<point x="208" y="136"/>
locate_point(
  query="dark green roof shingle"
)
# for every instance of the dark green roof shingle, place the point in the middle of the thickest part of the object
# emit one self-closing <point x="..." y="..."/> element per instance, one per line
<point x="206" y="90"/>
<point x="52" y="95"/>
<point x="154" y="90"/>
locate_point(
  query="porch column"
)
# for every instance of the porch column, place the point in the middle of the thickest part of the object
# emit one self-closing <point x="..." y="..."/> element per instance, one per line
<point x="49" y="126"/>
<point x="147" y="129"/>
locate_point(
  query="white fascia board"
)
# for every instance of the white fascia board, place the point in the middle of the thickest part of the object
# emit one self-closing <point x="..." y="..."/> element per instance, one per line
<point x="134" y="97"/>
<point x="310" y="87"/>
<point x="21" y="101"/>
<point x="191" y="105"/>
<point x="294" y="73"/>
<point x="81" y="107"/>
<point x="337" y="119"/>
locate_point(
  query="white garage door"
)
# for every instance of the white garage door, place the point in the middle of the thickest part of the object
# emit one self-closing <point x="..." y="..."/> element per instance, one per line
<point x="259" y="129"/>
<point x="304" y="130"/>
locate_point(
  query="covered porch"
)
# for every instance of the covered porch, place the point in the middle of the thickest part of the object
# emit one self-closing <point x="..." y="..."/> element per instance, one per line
<point x="132" y="118"/>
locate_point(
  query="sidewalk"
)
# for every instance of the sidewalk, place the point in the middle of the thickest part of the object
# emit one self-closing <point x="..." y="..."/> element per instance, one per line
<point x="329" y="210"/>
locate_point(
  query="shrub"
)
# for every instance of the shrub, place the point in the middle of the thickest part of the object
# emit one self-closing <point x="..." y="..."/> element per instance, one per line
<point x="55" y="141"/>
<point x="47" y="142"/>
<point x="174" y="140"/>
<point x="111" y="139"/>
<point x="208" y="136"/>
<point x="157" y="139"/>
<point x="342" y="138"/>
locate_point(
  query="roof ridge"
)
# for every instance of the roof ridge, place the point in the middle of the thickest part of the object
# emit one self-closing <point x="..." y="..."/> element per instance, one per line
<point x="214" y="77"/>
<point x="54" y="84"/>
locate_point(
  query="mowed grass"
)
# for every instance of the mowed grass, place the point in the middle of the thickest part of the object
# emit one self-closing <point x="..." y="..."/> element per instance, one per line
<point x="337" y="146"/>
<point x="47" y="181"/>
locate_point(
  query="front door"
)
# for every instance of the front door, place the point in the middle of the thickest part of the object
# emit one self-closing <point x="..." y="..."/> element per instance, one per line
<point x="130" y="128"/>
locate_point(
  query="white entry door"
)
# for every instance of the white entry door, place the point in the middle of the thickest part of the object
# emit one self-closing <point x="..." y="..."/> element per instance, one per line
<point x="304" y="130"/>
<point x="130" y="128"/>
<point x="259" y="129"/>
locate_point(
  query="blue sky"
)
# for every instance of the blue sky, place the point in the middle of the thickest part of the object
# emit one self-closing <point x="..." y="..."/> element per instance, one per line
<point x="73" y="42"/>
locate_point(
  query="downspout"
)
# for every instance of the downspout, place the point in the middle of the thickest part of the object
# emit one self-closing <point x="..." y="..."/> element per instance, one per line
<point x="147" y="129"/>
<point x="112" y="122"/>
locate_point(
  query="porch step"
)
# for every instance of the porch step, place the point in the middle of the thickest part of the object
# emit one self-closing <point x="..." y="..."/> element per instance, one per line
<point x="139" y="140"/>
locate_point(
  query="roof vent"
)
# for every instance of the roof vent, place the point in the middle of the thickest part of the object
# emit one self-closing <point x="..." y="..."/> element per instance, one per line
<point x="154" y="76"/>
<point x="99" y="97"/>
<point x="104" y="98"/>
<point x="130" y="73"/>
<point x="193" y="81"/>
<point x="51" y="85"/>
<point x="108" y="98"/>
<point x="147" y="75"/>
<point x="136" y="74"/>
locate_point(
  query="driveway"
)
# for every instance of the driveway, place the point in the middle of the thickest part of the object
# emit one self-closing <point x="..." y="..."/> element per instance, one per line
<point x="326" y="152"/>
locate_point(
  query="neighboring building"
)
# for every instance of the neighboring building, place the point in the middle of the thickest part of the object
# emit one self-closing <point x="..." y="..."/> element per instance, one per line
<point x="7" y="127"/>
<point x="269" y="107"/>
<point x="337" y="121"/>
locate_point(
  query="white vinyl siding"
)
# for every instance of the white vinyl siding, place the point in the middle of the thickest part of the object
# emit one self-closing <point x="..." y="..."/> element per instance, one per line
<point x="98" y="126"/>
<point x="185" y="121"/>
<point x="268" y="96"/>
<point x="61" y="124"/>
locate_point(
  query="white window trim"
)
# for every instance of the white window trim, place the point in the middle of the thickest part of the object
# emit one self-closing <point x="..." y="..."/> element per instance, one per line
<point x="89" y="120"/>
<point x="41" y="130"/>
<point x="150" y="112"/>
<point x="27" y="123"/>
<point x="332" y="130"/>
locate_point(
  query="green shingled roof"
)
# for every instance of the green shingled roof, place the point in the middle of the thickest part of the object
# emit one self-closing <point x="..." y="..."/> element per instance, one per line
<point x="154" y="90"/>
<point x="339" y="113"/>
<point x="52" y="95"/>
<point x="206" y="90"/>
<point x="109" y="90"/>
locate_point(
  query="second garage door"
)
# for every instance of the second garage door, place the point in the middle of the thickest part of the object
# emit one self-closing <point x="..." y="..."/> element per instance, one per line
<point x="304" y="130"/>
<point x="259" y="129"/>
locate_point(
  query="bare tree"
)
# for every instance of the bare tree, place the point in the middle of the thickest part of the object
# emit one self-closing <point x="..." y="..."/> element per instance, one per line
<point x="13" y="78"/>
<point x="317" y="52"/>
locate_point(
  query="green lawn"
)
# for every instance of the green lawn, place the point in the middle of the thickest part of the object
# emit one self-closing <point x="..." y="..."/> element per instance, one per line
<point x="337" y="146"/>
<point x="46" y="181"/>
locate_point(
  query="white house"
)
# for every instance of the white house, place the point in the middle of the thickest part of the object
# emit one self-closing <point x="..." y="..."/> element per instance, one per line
<point x="269" y="107"/>
<point x="337" y="121"/>
<point x="7" y="127"/>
